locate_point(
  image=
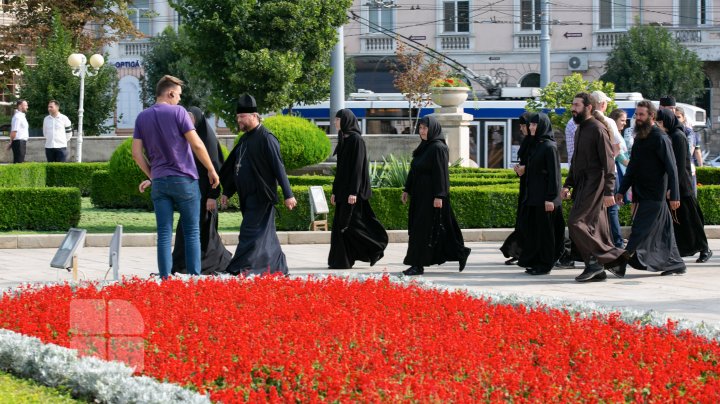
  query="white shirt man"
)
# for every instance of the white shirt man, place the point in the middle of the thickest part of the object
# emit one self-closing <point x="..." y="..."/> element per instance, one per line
<point x="57" y="130"/>
<point x="19" y="132"/>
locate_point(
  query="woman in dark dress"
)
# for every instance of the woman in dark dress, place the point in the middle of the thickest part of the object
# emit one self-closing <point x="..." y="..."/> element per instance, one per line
<point x="434" y="233"/>
<point x="356" y="235"/>
<point x="214" y="256"/>
<point x="542" y="226"/>
<point x="511" y="248"/>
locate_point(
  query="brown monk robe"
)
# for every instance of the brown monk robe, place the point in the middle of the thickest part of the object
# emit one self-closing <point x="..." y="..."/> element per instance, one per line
<point x="592" y="179"/>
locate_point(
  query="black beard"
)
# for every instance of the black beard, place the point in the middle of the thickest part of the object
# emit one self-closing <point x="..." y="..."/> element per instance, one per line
<point x="580" y="117"/>
<point x="642" y="129"/>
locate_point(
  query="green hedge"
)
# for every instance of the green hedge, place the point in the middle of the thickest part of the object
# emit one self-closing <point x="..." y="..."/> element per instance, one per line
<point x="311" y="179"/>
<point x="708" y="175"/>
<point x="26" y="175"/>
<point x="39" y="208"/>
<point x="76" y="175"/>
<point x="113" y="191"/>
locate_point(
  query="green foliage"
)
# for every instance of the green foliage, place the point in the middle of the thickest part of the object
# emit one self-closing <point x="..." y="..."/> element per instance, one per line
<point x="708" y="197"/>
<point x="651" y="61"/>
<point x="394" y="172"/>
<point x="302" y="143"/>
<point x="310" y="180"/>
<point x="349" y="77"/>
<point x="28" y="208"/>
<point x="75" y="175"/>
<point x="14" y="389"/>
<point x="118" y="186"/>
<point x="556" y="98"/>
<point x="52" y="78"/>
<point x="167" y="56"/>
<point x="276" y="50"/>
<point x="22" y="175"/>
<point x="708" y="175"/>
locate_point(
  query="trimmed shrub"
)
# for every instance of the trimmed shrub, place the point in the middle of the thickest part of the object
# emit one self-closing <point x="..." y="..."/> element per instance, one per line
<point x="26" y="175"/>
<point x="708" y="197"/>
<point x="302" y="143"/>
<point x="708" y="175"/>
<point x="111" y="191"/>
<point x="77" y="175"/>
<point x="481" y="181"/>
<point x="310" y="180"/>
<point x="29" y="208"/>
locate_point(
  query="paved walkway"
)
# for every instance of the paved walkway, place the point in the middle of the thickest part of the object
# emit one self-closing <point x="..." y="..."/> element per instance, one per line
<point x="694" y="296"/>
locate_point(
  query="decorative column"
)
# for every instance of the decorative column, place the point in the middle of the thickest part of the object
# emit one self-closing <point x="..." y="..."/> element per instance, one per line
<point x="455" y="122"/>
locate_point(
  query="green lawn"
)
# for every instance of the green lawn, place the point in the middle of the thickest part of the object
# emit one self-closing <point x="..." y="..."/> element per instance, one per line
<point x="15" y="390"/>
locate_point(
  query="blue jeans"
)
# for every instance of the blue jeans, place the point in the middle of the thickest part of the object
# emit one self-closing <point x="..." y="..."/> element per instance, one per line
<point x="182" y="193"/>
<point x="614" y="219"/>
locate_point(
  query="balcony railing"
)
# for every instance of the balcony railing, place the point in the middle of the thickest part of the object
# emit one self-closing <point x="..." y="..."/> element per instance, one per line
<point x="455" y="42"/>
<point x="377" y="44"/>
<point x="527" y="41"/>
<point x="135" y="48"/>
<point x="607" y="39"/>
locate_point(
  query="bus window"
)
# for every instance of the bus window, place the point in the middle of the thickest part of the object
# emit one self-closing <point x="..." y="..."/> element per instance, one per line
<point x="495" y="137"/>
<point x="388" y="126"/>
<point x="474" y="148"/>
<point x="517" y="138"/>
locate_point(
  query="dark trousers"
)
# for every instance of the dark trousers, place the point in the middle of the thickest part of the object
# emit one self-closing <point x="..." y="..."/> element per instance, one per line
<point x="56" y="155"/>
<point x="18" y="149"/>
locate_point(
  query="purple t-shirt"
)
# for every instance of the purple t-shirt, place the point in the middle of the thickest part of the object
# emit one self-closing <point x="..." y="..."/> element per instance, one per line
<point x="162" y="129"/>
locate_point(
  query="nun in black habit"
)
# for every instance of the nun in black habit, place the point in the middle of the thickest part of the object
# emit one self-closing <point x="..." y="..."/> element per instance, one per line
<point x="253" y="171"/>
<point x="434" y="234"/>
<point x="356" y="235"/>
<point x="512" y="248"/>
<point x="542" y="226"/>
<point x="214" y="256"/>
<point x="689" y="224"/>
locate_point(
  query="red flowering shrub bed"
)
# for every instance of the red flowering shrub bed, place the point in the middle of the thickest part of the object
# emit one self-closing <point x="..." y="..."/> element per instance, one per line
<point x="281" y="339"/>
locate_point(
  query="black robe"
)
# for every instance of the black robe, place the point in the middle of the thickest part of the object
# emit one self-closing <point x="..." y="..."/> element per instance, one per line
<point x="434" y="234"/>
<point x="689" y="225"/>
<point x="214" y="256"/>
<point x="357" y="235"/>
<point x="542" y="233"/>
<point x="650" y="173"/>
<point x="253" y="170"/>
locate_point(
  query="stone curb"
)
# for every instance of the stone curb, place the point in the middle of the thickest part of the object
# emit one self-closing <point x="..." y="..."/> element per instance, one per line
<point x="230" y="238"/>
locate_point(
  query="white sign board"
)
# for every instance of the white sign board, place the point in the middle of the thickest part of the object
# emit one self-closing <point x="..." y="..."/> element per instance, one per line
<point x="318" y="203"/>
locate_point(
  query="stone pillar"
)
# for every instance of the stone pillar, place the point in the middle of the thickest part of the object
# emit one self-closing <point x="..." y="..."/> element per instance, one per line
<point x="455" y="123"/>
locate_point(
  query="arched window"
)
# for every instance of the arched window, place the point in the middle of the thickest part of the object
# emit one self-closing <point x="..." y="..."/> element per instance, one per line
<point x="530" y="80"/>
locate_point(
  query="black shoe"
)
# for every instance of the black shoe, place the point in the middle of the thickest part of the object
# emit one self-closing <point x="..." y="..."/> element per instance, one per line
<point x="704" y="256"/>
<point x="590" y="272"/>
<point x="565" y="263"/>
<point x="511" y="261"/>
<point x="376" y="259"/>
<point x="678" y="271"/>
<point x="618" y="266"/>
<point x="463" y="262"/>
<point x="537" y="271"/>
<point x="413" y="270"/>
<point x="599" y="277"/>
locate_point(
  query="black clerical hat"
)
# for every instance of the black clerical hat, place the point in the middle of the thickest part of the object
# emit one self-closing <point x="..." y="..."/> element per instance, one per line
<point x="246" y="104"/>
<point x="668" y="101"/>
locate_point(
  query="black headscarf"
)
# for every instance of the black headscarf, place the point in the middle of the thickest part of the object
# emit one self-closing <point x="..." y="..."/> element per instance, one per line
<point x="202" y="126"/>
<point x="669" y="120"/>
<point x="544" y="129"/>
<point x="207" y="134"/>
<point x="434" y="133"/>
<point x="349" y="125"/>
<point x="525" y="144"/>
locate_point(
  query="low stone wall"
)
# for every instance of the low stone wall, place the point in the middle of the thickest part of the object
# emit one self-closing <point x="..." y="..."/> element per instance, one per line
<point x="100" y="148"/>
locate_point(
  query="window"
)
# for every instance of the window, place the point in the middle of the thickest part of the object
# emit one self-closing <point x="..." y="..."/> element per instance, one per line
<point x="381" y="17"/>
<point x="693" y="13"/>
<point x="456" y="16"/>
<point x="530" y="15"/>
<point x="141" y="16"/>
<point x="530" y="80"/>
<point x="613" y="14"/>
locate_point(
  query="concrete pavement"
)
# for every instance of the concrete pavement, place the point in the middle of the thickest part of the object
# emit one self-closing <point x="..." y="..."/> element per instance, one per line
<point x="693" y="296"/>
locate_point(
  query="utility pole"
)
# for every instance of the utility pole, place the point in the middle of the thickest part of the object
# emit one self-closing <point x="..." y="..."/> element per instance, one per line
<point x="337" y="80"/>
<point x="544" y="43"/>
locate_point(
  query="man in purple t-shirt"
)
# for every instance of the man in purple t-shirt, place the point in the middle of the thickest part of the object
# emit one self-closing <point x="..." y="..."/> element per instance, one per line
<point x="167" y="136"/>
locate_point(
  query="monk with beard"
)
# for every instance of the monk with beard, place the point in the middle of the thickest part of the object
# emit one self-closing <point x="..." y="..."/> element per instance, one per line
<point x="592" y="180"/>
<point x="652" y="174"/>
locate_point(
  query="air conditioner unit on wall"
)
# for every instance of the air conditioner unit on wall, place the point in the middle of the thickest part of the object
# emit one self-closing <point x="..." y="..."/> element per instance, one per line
<point x="578" y="63"/>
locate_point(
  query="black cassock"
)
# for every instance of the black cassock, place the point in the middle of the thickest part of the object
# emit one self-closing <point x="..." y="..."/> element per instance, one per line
<point x="434" y="234"/>
<point x="214" y="256"/>
<point x="651" y="173"/>
<point x="253" y="170"/>
<point x="512" y="248"/>
<point x="357" y="235"/>
<point x="689" y="225"/>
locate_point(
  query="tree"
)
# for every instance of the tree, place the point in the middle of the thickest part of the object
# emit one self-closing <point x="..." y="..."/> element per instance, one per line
<point x="556" y="98"/>
<point x="413" y="75"/>
<point x="90" y="25"/>
<point x="276" y="50"/>
<point x="649" y="60"/>
<point x="166" y="56"/>
<point x="52" y="79"/>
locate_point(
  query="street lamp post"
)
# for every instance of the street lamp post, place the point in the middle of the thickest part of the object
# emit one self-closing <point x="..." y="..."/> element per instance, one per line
<point x="78" y="63"/>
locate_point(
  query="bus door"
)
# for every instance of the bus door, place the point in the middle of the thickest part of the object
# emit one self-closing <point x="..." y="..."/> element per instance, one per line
<point x="475" y="150"/>
<point x="495" y="138"/>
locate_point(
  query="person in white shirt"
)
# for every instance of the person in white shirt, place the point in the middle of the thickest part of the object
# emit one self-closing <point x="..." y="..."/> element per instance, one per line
<point x="19" y="132"/>
<point x="57" y="130"/>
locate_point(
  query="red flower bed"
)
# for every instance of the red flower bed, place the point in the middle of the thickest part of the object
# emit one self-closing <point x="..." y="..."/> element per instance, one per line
<point x="279" y="339"/>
